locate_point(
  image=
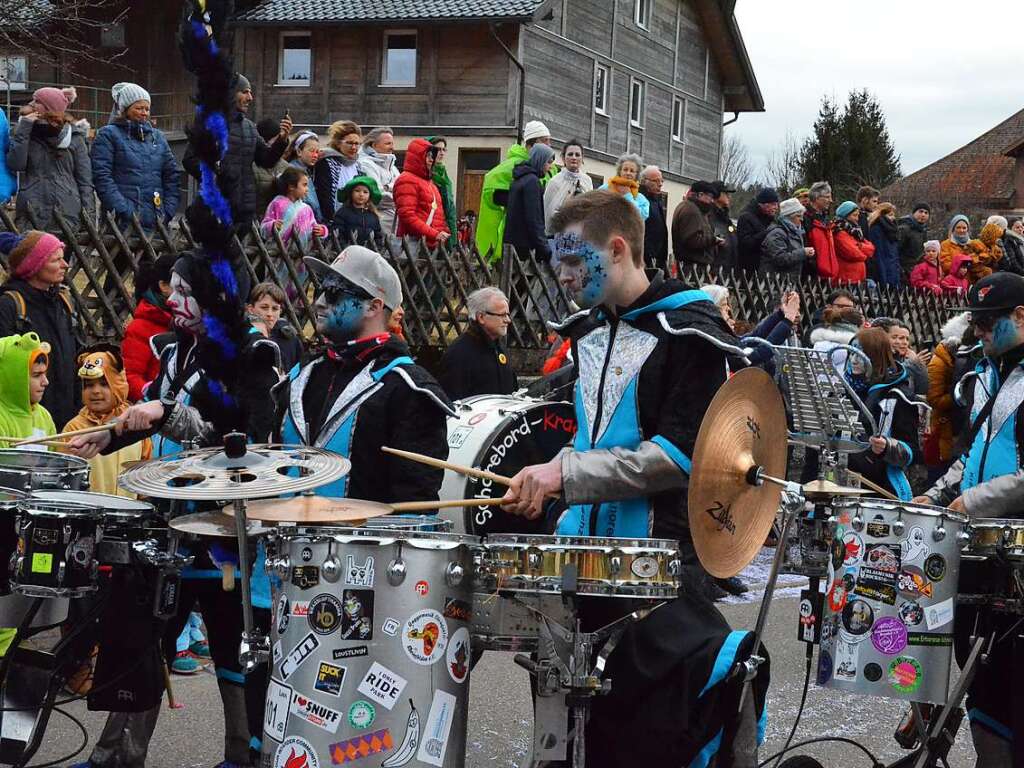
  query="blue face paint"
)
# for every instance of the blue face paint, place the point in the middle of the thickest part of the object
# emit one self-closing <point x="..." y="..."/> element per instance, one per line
<point x="582" y="268"/>
<point x="339" y="311"/>
<point x="1005" y="337"/>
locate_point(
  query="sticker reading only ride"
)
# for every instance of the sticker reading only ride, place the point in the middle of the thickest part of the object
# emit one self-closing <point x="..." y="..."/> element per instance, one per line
<point x="382" y="685"/>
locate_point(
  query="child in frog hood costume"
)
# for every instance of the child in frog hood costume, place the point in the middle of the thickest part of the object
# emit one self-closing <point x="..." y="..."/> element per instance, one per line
<point x="19" y="415"/>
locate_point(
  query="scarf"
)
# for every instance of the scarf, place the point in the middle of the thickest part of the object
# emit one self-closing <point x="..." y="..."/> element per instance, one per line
<point x="155" y="298"/>
<point x="632" y="185"/>
<point x="850" y="228"/>
<point x="357" y="349"/>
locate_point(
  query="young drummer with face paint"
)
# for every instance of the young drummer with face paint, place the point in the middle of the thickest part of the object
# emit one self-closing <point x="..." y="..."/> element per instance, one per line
<point x="648" y="367"/>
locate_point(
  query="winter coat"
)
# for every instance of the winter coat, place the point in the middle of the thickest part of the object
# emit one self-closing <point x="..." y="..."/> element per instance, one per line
<point x="949" y="250"/>
<point x="693" y="237"/>
<point x="490" y="226"/>
<point x="655" y="234"/>
<point x="721" y="222"/>
<point x="818" y="235"/>
<point x="643" y="205"/>
<point x="989" y="252"/>
<point x="476" y="365"/>
<point x="940" y="386"/>
<point x="134" y="171"/>
<point x="824" y="338"/>
<point x="910" y="242"/>
<point x="782" y="249"/>
<point x="751" y="229"/>
<point x="51" y="176"/>
<point x="296" y="218"/>
<point x="1012" y="246"/>
<point x="444" y="185"/>
<point x="417" y="199"/>
<point x="245" y="147"/>
<point x="362" y="221"/>
<point x="18" y="417"/>
<point x="852" y="251"/>
<point x="311" y="199"/>
<point x="926" y="277"/>
<point x="289" y="342"/>
<point x="562" y="187"/>
<point x="333" y="172"/>
<point x="382" y="168"/>
<point x="8" y="184"/>
<point x="883" y="235"/>
<point x="266" y="184"/>
<point x="141" y="364"/>
<point x="524" y="222"/>
<point x="47" y="313"/>
<point x="952" y="282"/>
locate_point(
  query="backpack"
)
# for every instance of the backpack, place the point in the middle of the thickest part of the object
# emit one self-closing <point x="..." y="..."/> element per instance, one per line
<point x="23" y="325"/>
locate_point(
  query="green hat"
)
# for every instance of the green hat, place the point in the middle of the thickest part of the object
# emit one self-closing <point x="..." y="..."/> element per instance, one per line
<point x="346" y="192"/>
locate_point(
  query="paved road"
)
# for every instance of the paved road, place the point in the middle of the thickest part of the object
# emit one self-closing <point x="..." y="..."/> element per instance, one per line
<point x="500" y="711"/>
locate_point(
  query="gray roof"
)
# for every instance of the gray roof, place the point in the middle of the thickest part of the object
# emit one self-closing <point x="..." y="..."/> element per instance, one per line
<point x="305" y="12"/>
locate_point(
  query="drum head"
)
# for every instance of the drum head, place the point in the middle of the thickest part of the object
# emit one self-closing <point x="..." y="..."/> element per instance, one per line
<point x="112" y="506"/>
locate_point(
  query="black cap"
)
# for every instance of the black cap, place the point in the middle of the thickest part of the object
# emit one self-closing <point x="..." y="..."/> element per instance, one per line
<point x="767" y="195"/>
<point x="1000" y="292"/>
<point x="719" y="187"/>
<point x="703" y="188"/>
<point x="921" y="207"/>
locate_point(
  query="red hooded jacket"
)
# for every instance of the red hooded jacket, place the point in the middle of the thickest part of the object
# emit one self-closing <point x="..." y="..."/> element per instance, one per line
<point x="417" y="199"/>
<point x="851" y="255"/>
<point x="819" y="237"/>
<point x="141" y="366"/>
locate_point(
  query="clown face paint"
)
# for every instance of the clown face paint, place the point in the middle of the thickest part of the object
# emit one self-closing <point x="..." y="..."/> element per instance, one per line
<point x="339" y="313"/>
<point x="184" y="309"/>
<point x="581" y="268"/>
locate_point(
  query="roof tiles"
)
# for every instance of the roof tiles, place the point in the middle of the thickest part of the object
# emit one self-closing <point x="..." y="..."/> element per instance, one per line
<point x="332" y="11"/>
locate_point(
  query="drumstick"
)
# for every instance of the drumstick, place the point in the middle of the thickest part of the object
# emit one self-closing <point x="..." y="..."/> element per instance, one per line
<point x="873" y="486"/>
<point x="65" y="435"/>
<point x="418" y="506"/>
<point x="440" y="463"/>
<point x="47" y="441"/>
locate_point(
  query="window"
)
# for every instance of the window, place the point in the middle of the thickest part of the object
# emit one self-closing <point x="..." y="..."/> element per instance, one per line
<point x="295" y="59"/>
<point x="399" y="66"/>
<point x="642" y="13"/>
<point x="601" y="76"/>
<point x="678" y="119"/>
<point x="636" y="103"/>
<point x="13" y="73"/>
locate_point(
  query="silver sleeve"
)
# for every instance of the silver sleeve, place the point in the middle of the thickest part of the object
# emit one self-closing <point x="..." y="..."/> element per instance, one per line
<point x="896" y="453"/>
<point x="947" y="487"/>
<point x="185" y="424"/>
<point x="999" y="497"/>
<point x="611" y="475"/>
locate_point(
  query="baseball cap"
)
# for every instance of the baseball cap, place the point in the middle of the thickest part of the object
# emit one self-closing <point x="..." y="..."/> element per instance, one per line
<point x="363" y="268"/>
<point x="703" y="188"/>
<point x="718" y="187"/>
<point x="999" y="292"/>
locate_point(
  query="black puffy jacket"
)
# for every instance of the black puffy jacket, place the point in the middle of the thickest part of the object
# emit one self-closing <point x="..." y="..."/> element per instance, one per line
<point x="363" y="223"/>
<point x="1013" y="253"/>
<point x="524" y="222"/>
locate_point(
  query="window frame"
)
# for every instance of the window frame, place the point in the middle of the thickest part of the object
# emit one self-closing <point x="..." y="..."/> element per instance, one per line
<point x="642" y="13"/>
<point x="634" y="84"/>
<point x="282" y="36"/>
<point x="679" y="106"/>
<point x="13" y="85"/>
<point x="384" y="58"/>
<point x="598" y="68"/>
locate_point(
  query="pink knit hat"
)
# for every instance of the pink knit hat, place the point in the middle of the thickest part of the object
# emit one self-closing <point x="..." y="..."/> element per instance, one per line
<point x="52" y="100"/>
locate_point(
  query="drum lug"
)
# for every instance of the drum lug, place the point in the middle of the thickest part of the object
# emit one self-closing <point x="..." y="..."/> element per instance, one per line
<point x="331" y="569"/>
<point x="396" y="572"/>
<point x="963" y="536"/>
<point x="857" y="523"/>
<point x="454" y="574"/>
<point x="60" y="572"/>
<point x="614" y="565"/>
<point x="534" y="560"/>
<point x="898" y="526"/>
<point x="675" y="567"/>
<point x="939" y="532"/>
<point x="283" y="566"/>
<point x="67" y="534"/>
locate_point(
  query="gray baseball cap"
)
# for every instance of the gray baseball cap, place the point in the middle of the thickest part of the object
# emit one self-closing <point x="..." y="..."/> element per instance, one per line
<point x="366" y="269"/>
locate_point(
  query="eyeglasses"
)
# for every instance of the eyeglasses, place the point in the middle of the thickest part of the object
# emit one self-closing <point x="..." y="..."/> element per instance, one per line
<point x="502" y="315"/>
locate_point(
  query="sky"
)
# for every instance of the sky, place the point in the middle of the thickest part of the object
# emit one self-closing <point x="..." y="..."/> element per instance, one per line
<point x="941" y="80"/>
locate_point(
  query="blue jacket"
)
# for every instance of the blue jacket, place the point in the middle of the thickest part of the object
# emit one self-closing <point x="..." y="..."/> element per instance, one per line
<point x="887" y="254"/>
<point x="7" y="182"/>
<point x="134" y="171"/>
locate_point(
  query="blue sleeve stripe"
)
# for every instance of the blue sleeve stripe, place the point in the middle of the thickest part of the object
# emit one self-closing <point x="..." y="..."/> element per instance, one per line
<point x="726" y="659"/>
<point x="227" y="674"/>
<point x="680" y="458"/>
<point x="404" y="360"/>
<point x="975" y="715"/>
<point x="908" y="449"/>
<point x="704" y="757"/>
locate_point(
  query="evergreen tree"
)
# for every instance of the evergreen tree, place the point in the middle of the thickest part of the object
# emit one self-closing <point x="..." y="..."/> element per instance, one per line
<point x="823" y="154"/>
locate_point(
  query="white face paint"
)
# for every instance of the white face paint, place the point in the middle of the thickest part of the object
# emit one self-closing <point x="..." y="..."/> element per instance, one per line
<point x="184" y="309"/>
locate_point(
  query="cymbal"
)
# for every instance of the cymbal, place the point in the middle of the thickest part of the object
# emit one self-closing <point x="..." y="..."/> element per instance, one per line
<point x="744" y="428"/>
<point x="316" y="510"/>
<point x="818" y="490"/>
<point x="214" y="524"/>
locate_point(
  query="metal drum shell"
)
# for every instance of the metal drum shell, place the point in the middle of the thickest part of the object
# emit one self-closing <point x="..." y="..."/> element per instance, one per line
<point x="82" y="520"/>
<point x="26" y="470"/>
<point x="996" y="537"/>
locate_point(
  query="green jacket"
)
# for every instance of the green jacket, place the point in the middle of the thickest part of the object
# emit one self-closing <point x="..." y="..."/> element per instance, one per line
<point x="18" y="417"/>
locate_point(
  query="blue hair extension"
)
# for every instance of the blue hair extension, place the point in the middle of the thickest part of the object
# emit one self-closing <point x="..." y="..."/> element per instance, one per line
<point x="199" y="30"/>
<point x="225" y="275"/>
<point x="219" y="392"/>
<point x="217" y="332"/>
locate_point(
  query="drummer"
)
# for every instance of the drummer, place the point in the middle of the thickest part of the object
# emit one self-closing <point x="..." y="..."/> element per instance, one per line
<point x="366" y="391"/>
<point x="988" y="481"/>
<point x="640" y="398"/>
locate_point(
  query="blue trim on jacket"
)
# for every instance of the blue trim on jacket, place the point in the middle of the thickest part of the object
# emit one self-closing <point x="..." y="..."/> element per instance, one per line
<point x="681" y="459"/>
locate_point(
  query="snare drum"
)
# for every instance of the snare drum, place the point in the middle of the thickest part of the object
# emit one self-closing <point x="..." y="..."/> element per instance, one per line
<point x="612" y="567"/>
<point x="126" y="521"/>
<point x="996" y="537"/>
<point x="31" y="470"/>
<point x="887" y="625"/>
<point x="56" y="554"/>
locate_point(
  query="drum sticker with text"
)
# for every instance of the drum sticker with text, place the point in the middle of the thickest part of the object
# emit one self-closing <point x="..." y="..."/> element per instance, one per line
<point x="929" y="640"/>
<point x="905" y="674"/>
<point x="876" y="584"/>
<point x="353" y="749"/>
<point x="457" y="437"/>
<point x="324" y="614"/>
<point x="847" y="658"/>
<point x="44" y="537"/>
<point x="298" y="654"/>
<point x="914" y="546"/>
<point x="410" y="741"/>
<point x="858" y="618"/>
<point x="457" y="657"/>
<point x="434" y="742"/>
<point x="459" y="610"/>
<point x="853" y="548"/>
<point x="357" y="619"/>
<point x="883" y="557"/>
<point x="913" y="582"/>
<point x="939" y="615"/>
<point x="275" y="713"/>
<point x="330" y="678"/>
<point x="878" y="528"/>
<point x="305" y="576"/>
<point x="358" y="574"/>
<point x="296" y="752"/>
<point x="889" y="635"/>
<point x="282" y="615"/>
<point x="390" y="627"/>
<point x="315" y="713"/>
<point x="361" y="714"/>
<point x="350" y="653"/>
<point x="425" y="637"/>
<point x="382" y="685"/>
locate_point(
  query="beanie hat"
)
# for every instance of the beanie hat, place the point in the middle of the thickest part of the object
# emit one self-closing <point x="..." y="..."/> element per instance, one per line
<point x="535" y="129"/>
<point x="790" y="207"/>
<point x="845" y="209"/>
<point x="51" y="100"/>
<point x="1000" y="221"/>
<point x="345" y="193"/>
<point x="27" y="253"/>
<point x="126" y="94"/>
<point x="242" y="83"/>
<point x="921" y="207"/>
<point x="934" y="245"/>
<point x="767" y="195"/>
<point x="801" y="192"/>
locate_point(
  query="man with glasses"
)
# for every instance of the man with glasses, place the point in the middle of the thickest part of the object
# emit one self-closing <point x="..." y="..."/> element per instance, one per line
<point x="477" y="363"/>
<point x="987" y="481"/>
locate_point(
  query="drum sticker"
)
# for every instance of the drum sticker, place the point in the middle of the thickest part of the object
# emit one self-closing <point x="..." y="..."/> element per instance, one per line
<point x="883" y="557"/>
<point x="929" y="640"/>
<point x="300" y="608"/>
<point x="278" y="652"/>
<point x="905" y="674"/>
<point x="457" y="437"/>
<point x="913" y="583"/>
<point x="315" y="713"/>
<point x="858" y="618"/>
<point x="940" y="614"/>
<point x="477" y="418"/>
<point x="872" y="672"/>
<point x="850" y="579"/>
<point x="913" y="547"/>
<point x="829" y="629"/>
<point x="324" y="614"/>
<point x="361" y="714"/>
<point x="296" y="752"/>
<point x="847" y="657"/>
<point x="435" y="734"/>
<point x="911" y="613"/>
<point x="837" y="596"/>
<point x="282" y="614"/>
<point x="305" y="576"/>
<point x="407" y="749"/>
<point x="357" y="618"/>
<point x="330" y="678"/>
<point x="425" y="637"/>
<point x="350" y="750"/>
<point x="42" y="562"/>
<point x="306" y="555"/>
<point x="878" y="528"/>
<point x="889" y="635"/>
<point x="350" y="653"/>
<point x="457" y="657"/>
<point x="644" y="567"/>
<point x="935" y="567"/>
<point x="422" y="588"/>
<point x="382" y="685"/>
<point x="459" y="610"/>
<point x="838" y="551"/>
<point x="358" y="575"/>
<point x="807" y="621"/>
<point x="390" y="627"/>
<point x="275" y="714"/>
<point x="853" y="548"/>
<point x="876" y="584"/>
<point x="44" y="537"/>
<point x="298" y="654"/>
<point x="824" y="667"/>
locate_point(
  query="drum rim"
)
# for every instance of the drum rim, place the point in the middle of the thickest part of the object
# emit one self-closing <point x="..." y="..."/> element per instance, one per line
<point x="619" y="542"/>
<point x="926" y="510"/>
<point x="55" y="508"/>
<point x="75" y="464"/>
<point x="988" y="523"/>
<point x="51" y="494"/>
<point x="386" y="534"/>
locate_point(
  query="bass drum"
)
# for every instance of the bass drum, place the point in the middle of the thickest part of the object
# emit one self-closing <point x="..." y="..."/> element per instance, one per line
<point x="501" y="434"/>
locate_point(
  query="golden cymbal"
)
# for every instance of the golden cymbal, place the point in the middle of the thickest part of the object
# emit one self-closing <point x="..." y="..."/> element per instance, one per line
<point x="744" y="428"/>
<point x="214" y="524"/>
<point x="822" y="490"/>
<point x="315" y="510"/>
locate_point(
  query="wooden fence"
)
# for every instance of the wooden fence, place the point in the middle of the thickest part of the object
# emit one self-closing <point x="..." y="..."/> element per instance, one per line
<point x="104" y="259"/>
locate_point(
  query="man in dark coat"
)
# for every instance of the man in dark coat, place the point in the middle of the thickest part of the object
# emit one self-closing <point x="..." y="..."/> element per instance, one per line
<point x="721" y="222"/>
<point x="752" y="226"/>
<point x="245" y="147"/>
<point x="477" y="363"/>
<point x="656" y="226"/>
<point x="524" y="221"/>
<point x="693" y="238"/>
<point x="913" y="232"/>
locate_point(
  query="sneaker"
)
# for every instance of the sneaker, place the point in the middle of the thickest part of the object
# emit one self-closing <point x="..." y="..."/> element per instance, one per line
<point x="185" y="664"/>
<point x="732" y="585"/>
<point x="200" y="648"/>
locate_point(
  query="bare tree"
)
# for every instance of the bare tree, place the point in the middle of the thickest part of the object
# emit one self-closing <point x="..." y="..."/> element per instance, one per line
<point x="782" y="168"/>
<point x="735" y="167"/>
<point x="59" y="32"/>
